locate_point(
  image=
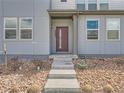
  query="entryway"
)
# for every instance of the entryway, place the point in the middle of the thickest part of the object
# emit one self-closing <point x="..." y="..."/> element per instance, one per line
<point x="61" y="36"/>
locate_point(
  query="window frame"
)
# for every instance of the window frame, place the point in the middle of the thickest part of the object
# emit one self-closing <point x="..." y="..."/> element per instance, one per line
<point x="93" y="19"/>
<point x="25" y="28"/>
<point x="5" y="18"/>
<point x="113" y="29"/>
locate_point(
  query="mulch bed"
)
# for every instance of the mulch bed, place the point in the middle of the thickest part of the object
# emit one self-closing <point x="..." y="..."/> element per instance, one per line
<point x="99" y="71"/>
<point x="24" y="75"/>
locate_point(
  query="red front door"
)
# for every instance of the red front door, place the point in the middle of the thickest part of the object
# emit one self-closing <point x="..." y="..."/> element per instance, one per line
<point x="62" y="39"/>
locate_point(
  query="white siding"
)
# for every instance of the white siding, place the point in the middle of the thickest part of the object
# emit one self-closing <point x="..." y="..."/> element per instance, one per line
<point x="57" y="4"/>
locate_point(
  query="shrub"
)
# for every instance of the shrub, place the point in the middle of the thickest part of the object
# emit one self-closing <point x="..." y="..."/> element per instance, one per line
<point x="87" y="89"/>
<point x="33" y="89"/>
<point x="14" y="90"/>
<point x="108" y="88"/>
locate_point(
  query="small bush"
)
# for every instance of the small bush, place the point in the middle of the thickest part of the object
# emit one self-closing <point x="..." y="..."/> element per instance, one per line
<point x="14" y="90"/>
<point x="33" y="89"/>
<point x="108" y="88"/>
<point x="82" y="66"/>
<point x="87" y="89"/>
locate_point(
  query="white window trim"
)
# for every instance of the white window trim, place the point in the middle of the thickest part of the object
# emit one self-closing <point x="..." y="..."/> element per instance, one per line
<point x="25" y="28"/>
<point x="5" y="18"/>
<point x="112" y="29"/>
<point x="95" y="19"/>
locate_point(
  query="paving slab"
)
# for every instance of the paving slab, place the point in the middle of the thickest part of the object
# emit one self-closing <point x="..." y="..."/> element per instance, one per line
<point x="62" y="86"/>
<point x="63" y="67"/>
<point x="62" y="74"/>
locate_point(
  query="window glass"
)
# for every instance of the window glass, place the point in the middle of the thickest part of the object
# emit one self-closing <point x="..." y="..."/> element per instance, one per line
<point x="10" y="34"/>
<point x="113" y="34"/>
<point x="92" y="7"/>
<point x="26" y="23"/>
<point x="92" y="29"/>
<point x="113" y="28"/>
<point x="103" y="1"/>
<point x="26" y="28"/>
<point x="10" y="28"/>
<point x="92" y="34"/>
<point x="103" y="6"/>
<point x="92" y="24"/>
<point x="26" y="34"/>
<point x="113" y="24"/>
<point x="92" y="1"/>
<point x="10" y="23"/>
<point x="63" y="0"/>
<point x="81" y="6"/>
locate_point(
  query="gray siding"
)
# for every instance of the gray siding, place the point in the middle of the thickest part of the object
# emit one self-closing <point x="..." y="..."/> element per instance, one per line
<point x="101" y="46"/>
<point x="1" y="27"/>
<point x="28" y="8"/>
<point x="113" y="4"/>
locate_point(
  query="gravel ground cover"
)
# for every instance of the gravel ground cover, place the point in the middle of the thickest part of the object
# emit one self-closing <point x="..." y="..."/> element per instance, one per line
<point x="23" y="75"/>
<point x="98" y="72"/>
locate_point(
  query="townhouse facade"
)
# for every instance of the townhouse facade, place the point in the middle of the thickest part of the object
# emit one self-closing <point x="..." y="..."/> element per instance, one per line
<point x="44" y="27"/>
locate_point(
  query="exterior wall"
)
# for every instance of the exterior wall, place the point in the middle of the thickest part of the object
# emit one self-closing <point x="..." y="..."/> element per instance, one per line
<point x="1" y="28"/>
<point x="57" y="4"/>
<point x="28" y="8"/>
<point x="116" y="4"/>
<point x="101" y="46"/>
<point x="61" y="22"/>
<point x="113" y="4"/>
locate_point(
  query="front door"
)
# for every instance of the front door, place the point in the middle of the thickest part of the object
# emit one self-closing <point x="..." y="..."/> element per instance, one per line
<point x="61" y="39"/>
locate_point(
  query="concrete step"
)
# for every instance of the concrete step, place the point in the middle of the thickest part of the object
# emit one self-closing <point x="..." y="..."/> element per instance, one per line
<point x="63" y="56"/>
<point x="62" y="59"/>
<point x="62" y="86"/>
<point x="63" y="67"/>
<point x="62" y="74"/>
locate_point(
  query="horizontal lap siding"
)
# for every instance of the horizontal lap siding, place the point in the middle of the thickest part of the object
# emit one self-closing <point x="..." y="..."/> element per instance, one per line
<point x="57" y="4"/>
<point x="116" y="4"/>
<point x="29" y="8"/>
<point x="101" y="46"/>
<point x="1" y="27"/>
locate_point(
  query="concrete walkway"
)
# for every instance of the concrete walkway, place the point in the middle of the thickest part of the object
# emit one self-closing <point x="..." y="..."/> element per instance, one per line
<point x="62" y="77"/>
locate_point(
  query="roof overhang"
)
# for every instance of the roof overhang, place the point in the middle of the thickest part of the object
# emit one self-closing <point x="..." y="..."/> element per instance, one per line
<point x="86" y="12"/>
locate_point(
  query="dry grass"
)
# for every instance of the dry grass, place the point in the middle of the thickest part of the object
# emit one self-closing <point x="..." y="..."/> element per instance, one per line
<point x="100" y="71"/>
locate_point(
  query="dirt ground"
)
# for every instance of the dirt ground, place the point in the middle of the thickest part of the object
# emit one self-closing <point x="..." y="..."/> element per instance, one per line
<point x="99" y="71"/>
<point x="24" y="75"/>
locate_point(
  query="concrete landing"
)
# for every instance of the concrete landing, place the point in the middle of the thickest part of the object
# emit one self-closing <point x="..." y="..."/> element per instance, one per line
<point x="62" y="74"/>
<point x="62" y="86"/>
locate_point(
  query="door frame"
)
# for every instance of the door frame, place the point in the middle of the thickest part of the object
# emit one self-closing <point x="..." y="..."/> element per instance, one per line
<point x="67" y="39"/>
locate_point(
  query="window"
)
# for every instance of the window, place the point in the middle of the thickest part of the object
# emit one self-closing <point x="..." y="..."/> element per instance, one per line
<point x="81" y="6"/>
<point x="113" y="28"/>
<point x="25" y="28"/>
<point x="92" y="29"/>
<point x="63" y="0"/>
<point x="92" y="7"/>
<point x="104" y="6"/>
<point x="10" y="28"/>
